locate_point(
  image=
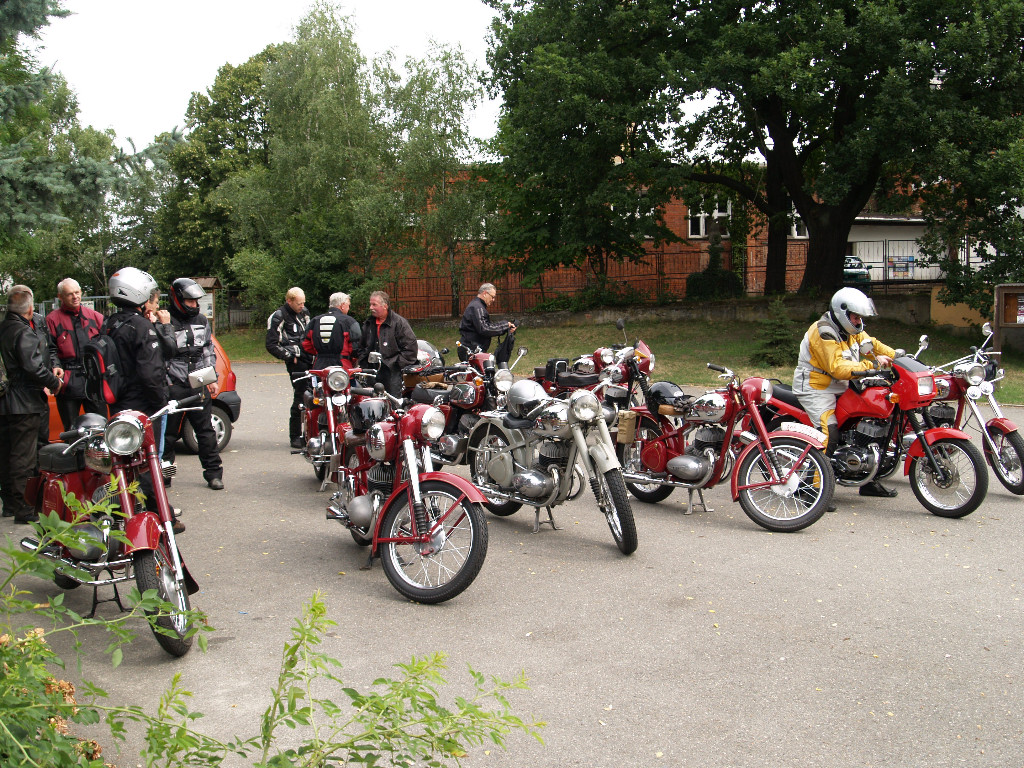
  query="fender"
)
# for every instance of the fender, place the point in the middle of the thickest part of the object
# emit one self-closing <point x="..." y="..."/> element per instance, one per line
<point x="602" y="452"/>
<point x="469" y="490"/>
<point x="1001" y="424"/>
<point x="754" y="446"/>
<point x="142" y="531"/>
<point x="916" y="450"/>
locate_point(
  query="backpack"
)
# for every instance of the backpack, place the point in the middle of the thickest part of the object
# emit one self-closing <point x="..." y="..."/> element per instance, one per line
<point x="104" y="377"/>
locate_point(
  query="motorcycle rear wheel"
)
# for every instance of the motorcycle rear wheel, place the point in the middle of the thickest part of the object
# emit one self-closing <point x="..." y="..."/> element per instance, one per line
<point x="480" y="454"/>
<point x="778" y="512"/>
<point x="457" y="551"/>
<point x="614" y="503"/>
<point x="1008" y="460"/>
<point x="154" y="570"/>
<point x="968" y="483"/>
<point x="629" y="458"/>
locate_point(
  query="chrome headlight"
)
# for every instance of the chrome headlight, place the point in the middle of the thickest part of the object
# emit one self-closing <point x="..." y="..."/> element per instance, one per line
<point x="941" y="388"/>
<point x="123" y="435"/>
<point x="607" y="356"/>
<point x="585" y="405"/>
<point x="432" y="425"/>
<point x="337" y="379"/>
<point x="926" y="386"/>
<point x="972" y="373"/>
<point x="376" y="445"/>
<point x="340" y="400"/>
<point x="97" y="457"/>
<point x="503" y="380"/>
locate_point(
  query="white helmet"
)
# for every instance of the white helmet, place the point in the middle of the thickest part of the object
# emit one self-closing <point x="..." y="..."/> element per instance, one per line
<point x="848" y="300"/>
<point x="130" y="287"/>
<point x="524" y="396"/>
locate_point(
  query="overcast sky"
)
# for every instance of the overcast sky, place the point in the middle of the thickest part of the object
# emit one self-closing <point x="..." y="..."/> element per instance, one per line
<point x="135" y="63"/>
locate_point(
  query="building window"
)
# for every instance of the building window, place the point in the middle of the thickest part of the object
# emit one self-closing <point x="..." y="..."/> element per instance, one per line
<point x="699" y="219"/>
<point x="798" y="229"/>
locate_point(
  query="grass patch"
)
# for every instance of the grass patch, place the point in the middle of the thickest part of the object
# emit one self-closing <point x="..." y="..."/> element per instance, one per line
<point x="682" y="348"/>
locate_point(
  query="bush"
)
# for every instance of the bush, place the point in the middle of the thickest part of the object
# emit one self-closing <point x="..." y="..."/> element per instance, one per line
<point x="713" y="282"/>
<point x="778" y="341"/>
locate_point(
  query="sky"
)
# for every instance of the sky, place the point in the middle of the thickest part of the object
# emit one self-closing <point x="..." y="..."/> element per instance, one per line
<point x="135" y="63"/>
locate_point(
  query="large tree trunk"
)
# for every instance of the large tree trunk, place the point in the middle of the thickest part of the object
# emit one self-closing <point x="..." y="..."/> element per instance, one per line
<point x="829" y="231"/>
<point x="778" y="229"/>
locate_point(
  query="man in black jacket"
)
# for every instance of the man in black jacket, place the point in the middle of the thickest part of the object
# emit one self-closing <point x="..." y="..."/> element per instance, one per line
<point x="193" y="350"/>
<point x="334" y="336"/>
<point x="391" y="335"/>
<point x="476" y="328"/>
<point x="26" y="357"/>
<point x="286" y="329"/>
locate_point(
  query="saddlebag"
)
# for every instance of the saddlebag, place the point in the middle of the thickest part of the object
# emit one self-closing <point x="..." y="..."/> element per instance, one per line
<point x="53" y="459"/>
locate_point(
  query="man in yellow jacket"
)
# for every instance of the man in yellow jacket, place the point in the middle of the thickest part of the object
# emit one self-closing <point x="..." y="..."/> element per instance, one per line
<point x="830" y="353"/>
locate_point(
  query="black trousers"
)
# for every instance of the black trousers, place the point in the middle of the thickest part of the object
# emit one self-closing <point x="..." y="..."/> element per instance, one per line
<point x="70" y="407"/>
<point x="19" y="437"/>
<point x="209" y="456"/>
<point x="295" y="414"/>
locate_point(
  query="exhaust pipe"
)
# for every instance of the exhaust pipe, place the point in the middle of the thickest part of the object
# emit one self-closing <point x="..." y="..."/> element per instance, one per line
<point x="30" y="544"/>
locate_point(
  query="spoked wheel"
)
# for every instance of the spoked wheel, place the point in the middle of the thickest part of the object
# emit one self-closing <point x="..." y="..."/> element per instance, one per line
<point x="964" y="483"/>
<point x="614" y="503"/>
<point x="1008" y="459"/>
<point x="791" y="505"/>
<point x="441" y="568"/>
<point x="629" y="458"/>
<point x="490" y="446"/>
<point x="153" y="570"/>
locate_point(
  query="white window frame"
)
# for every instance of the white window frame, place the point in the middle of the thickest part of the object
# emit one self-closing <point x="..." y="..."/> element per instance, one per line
<point x="798" y="230"/>
<point x="697" y="225"/>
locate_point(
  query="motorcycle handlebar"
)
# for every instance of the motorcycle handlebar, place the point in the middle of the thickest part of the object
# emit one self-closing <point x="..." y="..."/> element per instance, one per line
<point x="70" y="436"/>
<point x="362" y="391"/>
<point x="719" y="368"/>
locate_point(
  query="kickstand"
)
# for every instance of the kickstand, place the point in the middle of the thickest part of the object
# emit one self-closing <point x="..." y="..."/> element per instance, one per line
<point x="96" y="596"/>
<point x="537" y="522"/>
<point x="369" y="563"/>
<point x="689" y="502"/>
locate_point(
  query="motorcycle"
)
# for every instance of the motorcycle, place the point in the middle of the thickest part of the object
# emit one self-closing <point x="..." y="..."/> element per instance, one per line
<point x="99" y="460"/>
<point x="882" y="423"/>
<point x="529" y="455"/>
<point x="427" y="527"/>
<point x="964" y="382"/>
<point x="781" y="477"/>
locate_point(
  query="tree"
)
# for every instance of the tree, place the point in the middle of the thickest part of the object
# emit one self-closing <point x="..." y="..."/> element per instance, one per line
<point x="851" y="96"/>
<point x="582" y="134"/>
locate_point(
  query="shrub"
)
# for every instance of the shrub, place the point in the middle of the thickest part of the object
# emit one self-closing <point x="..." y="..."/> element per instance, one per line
<point x="778" y="340"/>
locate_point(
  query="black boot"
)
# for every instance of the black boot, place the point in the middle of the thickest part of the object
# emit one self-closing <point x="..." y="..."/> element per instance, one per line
<point x="875" y="488"/>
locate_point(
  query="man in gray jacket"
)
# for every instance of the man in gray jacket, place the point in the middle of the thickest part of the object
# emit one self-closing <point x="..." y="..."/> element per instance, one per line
<point x="30" y="371"/>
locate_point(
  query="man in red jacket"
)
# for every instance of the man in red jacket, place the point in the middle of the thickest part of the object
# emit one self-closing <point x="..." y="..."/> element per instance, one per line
<point x="70" y="326"/>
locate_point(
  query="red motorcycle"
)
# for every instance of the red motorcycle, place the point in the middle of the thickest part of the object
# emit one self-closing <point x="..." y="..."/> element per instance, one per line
<point x="427" y="527"/>
<point x="98" y="461"/>
<point x="780" y="475"/>
<point x="882" y="423"/>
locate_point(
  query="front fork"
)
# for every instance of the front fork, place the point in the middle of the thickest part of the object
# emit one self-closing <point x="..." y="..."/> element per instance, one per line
<point x="919" y="429"/>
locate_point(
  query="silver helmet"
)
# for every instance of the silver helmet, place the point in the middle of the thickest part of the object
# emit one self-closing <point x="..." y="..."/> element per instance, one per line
<point x="847" y="300"/>
<point x="523" y="397"/>
<point x="130" y="287"/>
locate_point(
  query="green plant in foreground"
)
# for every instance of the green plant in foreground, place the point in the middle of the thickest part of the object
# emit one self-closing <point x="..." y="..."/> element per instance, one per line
<point x="399" y="722"/>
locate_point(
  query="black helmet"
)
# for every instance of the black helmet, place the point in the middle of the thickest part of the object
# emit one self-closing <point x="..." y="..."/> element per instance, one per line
<point x="181" y="289"/>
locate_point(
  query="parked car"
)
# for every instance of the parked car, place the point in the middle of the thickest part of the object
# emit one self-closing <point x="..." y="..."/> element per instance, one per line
<point x="227" y="406"/>
<point x="854" y="271"/>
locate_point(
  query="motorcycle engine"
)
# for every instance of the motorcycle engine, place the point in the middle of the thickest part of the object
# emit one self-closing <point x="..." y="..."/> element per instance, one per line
<point x="380" y="478"/>
<point x="696" y="464"/>
<point x="856" y="455"/>
<point x="95" y="542"/>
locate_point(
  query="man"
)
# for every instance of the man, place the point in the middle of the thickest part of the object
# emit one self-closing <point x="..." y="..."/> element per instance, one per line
<point x="830" y="353"/>
<point x="391" y="335"/>
<point x="70" y="326"/>
<point x="476" y="328"/>
<point x="29" y="372"/>
<point x="143" y="367"/>
<point x="193" y="350"/>
<point x="333" y="336"/>
<point x="286" y="329"/>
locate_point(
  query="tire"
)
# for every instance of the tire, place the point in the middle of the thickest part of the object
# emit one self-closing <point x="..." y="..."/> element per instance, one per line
<point x="445" y="572"/>
<point x="629" y="458"/>
<point x="479" y="456"/>
<point x="65" y="582"/>
<point x="1008" y="460"/>
<point x="153" y="570"/>
<point x="968" y="486"/>
<point x="785" y="508"/>
<point x="222" y="428"/>
<point x="614" y="503"/>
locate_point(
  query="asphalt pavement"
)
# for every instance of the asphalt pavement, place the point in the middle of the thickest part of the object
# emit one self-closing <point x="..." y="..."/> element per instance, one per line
<point x="880" y="636"/>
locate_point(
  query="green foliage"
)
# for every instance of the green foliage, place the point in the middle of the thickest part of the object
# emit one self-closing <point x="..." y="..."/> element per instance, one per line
<point x="713" y="282"/>
<point x="595" y="296"/>
<point x="778" y="340"/>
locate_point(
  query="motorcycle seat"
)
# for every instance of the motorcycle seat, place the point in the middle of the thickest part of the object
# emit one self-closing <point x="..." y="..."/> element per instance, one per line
<point x="428" y="394"/>
<point x="513" y="423"/>
<point x="784" y="393"/>
<point x="577" y="379"/>
<point x="53" y="459"/>
<point x="352" y="439"/>
<point x="540" y="373"/>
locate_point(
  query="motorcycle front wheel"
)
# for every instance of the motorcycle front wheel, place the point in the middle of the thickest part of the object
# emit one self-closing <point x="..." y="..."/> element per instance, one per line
<point x="1008" y="460"/>
<point x="153" y="570"/>
<point x="965" y="483"/>
<point x="437" y="570"/>
<point x="491" y="445"/>
<point x="793" y="505"/>
<point x="614" y="503"/>
<point x="321" y="459"/>
<point x="629" y="458"/>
